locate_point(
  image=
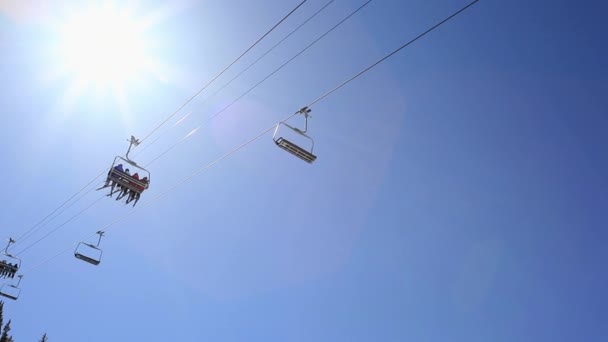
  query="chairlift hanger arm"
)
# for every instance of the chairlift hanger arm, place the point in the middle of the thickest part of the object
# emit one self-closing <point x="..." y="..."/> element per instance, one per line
<point x="10" y="242"/>
<point x="306" y="112"/>
<point x="132" y="142"/>
<point x="101" y="233"/>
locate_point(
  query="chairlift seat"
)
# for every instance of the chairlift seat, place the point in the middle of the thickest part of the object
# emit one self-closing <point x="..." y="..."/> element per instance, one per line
<point x="87" y="259"/>
<point x="7" y="295"/>
<point x="295" y="150"/>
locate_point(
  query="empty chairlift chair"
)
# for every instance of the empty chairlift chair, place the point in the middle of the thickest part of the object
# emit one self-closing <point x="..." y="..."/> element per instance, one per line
<point x="11" y="291"/>
<point x="289" y="146"/>
<point x="88" y="252"/>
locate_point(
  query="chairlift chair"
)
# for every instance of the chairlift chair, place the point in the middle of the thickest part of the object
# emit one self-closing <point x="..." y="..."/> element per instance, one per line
<point x="289" y="146"/>
<point x="11" y="291"/>
<point x="7" y="259"/>
<point x="126" y="180"/>
<point x="88" y="252"/>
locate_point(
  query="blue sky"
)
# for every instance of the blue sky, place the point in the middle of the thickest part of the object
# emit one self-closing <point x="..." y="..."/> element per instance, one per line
<point x="459" y="192"/>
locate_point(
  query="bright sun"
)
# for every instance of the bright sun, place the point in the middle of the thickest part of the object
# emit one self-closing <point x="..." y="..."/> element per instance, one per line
<point x="104" y="47"/>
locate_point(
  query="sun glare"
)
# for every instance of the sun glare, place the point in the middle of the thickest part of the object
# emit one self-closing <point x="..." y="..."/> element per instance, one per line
<point x="103" y="47"/>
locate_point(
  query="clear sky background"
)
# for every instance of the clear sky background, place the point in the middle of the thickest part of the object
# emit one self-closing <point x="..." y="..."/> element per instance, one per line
<point x="459" y="194"/>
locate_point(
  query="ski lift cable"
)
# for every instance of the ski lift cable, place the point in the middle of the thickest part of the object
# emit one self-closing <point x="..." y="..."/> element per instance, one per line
<point x="289" y="60"/>
<point x="393" y="53"/>
<point x="82" y="211"/>
<point x="24" y="237"/>
<point x="221" y="72"/>
<point x="218" y="113"/>
<point x="177" y="123"/>
<point x="59" y="226"/>
<point x="274" y="47"/>
<point x="161" y="195"/>
<point x="170" y="116"/>
<point x="73" y="217"/>
<point x="298" y="112"/>
<point x="208" y="166"/>
<point x="173" y="146"/>
<point x="85" y="209"/>
<point x="249" y="66"/>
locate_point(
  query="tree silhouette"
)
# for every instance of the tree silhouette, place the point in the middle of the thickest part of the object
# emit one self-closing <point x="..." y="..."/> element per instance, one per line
<point x="5" y="337"/>
<point x="1" y="313"/>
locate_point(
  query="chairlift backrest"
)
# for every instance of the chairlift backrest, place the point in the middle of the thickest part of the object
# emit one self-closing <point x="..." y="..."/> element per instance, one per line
<point x="11" y="291"/>
<point x="127" y="180"/>
<point x="142" y="171"/>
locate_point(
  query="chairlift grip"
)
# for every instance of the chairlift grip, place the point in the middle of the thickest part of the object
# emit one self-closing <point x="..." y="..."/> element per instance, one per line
<point x="101" y="233"/>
